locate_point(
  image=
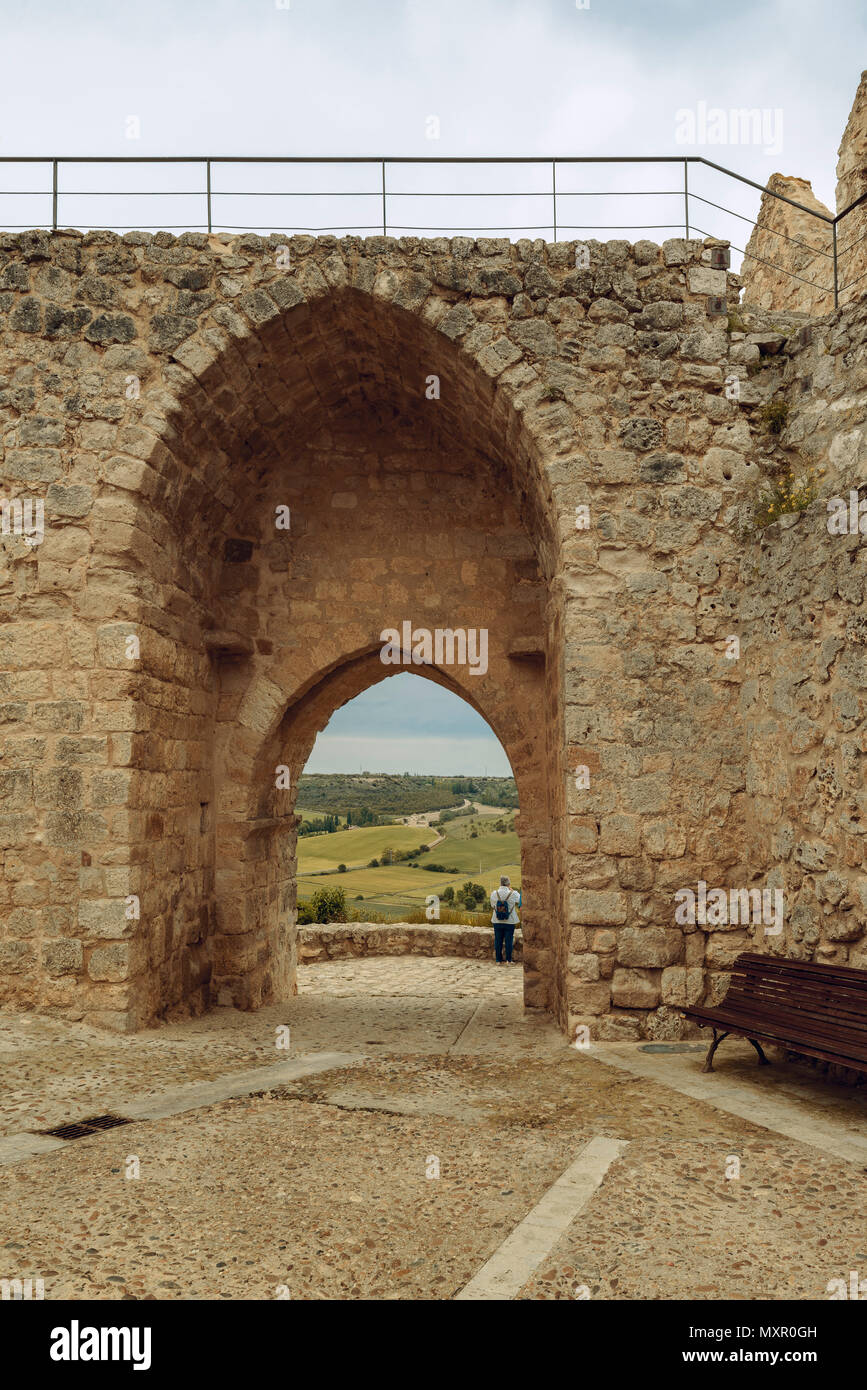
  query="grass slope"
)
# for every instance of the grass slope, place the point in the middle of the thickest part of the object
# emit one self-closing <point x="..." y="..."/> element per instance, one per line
<point x="358" y="846"/>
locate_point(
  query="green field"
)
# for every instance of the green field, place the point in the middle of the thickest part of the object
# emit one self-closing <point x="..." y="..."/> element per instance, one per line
<point x="393" y="887"/>
<point x="357" y="847"/>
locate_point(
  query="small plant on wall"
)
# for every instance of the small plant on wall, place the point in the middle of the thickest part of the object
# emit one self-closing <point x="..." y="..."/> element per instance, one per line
<point x="774" y="416"/>
<point x="786" y="494"/>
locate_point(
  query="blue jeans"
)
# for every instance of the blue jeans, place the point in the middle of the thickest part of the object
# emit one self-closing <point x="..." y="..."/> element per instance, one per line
<point x="503" y="936"/>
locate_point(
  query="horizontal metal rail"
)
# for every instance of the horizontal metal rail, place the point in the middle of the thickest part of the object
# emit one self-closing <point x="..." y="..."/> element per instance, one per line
<point x="557" y="196"/>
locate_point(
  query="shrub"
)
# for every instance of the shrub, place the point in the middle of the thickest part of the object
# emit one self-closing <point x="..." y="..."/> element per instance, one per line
<point x="472" y="893"/>
<point x="774" y="415"/>
<point x="787" y="494"/>
<point x="328" y="905"/>
<point x="341" y="868"/>
<point x="373" y="863"/>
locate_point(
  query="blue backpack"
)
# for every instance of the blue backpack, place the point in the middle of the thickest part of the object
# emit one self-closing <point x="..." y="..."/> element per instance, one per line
<point x="502" y="910"/>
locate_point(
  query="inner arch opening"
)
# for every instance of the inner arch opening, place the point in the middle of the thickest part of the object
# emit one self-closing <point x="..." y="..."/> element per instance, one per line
<point x="406" y="812"/>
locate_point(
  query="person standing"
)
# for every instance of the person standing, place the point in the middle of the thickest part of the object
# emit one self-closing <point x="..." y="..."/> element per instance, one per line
<point x="504" y="919"/>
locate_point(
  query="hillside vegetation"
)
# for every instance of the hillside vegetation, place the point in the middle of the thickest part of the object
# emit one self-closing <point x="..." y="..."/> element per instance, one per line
<point x="385" y="794"/>
<point x="471" y="849"/>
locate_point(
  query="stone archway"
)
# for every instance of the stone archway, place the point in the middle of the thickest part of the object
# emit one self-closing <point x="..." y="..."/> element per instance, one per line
<point x="254" y="943"/>
<point x="336" y="474"/>
<point x="437" y="416"/>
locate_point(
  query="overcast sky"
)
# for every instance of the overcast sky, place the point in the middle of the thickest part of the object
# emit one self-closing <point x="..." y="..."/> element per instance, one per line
<point x="419" y="78"/>
<point x="408" y="724"/>
<point x="502" y="77"/>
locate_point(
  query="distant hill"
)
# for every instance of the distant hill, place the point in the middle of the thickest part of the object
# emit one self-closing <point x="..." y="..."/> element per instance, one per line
<point x="387" y="794"/>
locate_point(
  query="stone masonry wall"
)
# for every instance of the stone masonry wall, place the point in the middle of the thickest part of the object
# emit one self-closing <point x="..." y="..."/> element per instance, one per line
<point x="346" y="942"/>
<point x="788" y="261"/>
<point x="573" y="485"/>
<point x="804" y="693"/>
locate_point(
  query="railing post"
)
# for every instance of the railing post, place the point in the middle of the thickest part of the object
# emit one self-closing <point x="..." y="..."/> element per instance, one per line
<point x="208" y="171"/>
<point x="686" y="197"/>
<point x="554" y="192"/>
<point x="54" y="195"/>
<point x="834" y="246"/>
<point x="384" y="222"/>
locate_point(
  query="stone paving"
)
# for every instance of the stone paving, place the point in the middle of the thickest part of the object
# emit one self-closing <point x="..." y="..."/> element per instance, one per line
<point x="418" y="976"/>
<point x="326" y="1186"/>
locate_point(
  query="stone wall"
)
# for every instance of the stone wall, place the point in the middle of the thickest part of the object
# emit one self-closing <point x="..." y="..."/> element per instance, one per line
<point x="804" y="691"/>
<point x="788" y="261"/>
<point x="852" y="185"/>
<point x="353" y="939"/>
<point x="466" y="434"/>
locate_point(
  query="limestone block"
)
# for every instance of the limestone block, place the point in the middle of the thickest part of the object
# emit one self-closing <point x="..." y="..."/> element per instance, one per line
<point x="587" y="997"/>
<point x="682" y="987"/>
<point x="583" y="967"/>
<point x="597" y="909"/>
<point x="634" y="989"/>
<point x="649" y="946"/>
<point x="63" y="957"/>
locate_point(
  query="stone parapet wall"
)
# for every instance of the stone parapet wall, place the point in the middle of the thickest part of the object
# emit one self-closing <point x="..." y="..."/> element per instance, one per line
<point x="350" y="940"/>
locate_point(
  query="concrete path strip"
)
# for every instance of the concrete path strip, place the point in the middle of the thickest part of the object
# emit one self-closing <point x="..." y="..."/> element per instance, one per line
<point x="791" y="1115"/>
<point x="15" y="1148"/>
<point x="509" y="1268"/>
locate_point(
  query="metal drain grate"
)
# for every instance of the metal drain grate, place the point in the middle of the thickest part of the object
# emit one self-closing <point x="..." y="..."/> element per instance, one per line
<point x="94" y="1125"/>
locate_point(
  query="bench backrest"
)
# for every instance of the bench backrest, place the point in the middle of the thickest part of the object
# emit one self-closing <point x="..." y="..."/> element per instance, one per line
<point x="825" y="1000"/>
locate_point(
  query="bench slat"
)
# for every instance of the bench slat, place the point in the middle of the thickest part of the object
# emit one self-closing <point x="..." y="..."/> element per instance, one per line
<point x="819" y="1010"/>
<point x="757" y="1026"/>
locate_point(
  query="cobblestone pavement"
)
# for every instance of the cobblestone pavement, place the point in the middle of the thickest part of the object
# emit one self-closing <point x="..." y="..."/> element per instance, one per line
<point x="418" y="976"/>
<point x="325" y="1187"/>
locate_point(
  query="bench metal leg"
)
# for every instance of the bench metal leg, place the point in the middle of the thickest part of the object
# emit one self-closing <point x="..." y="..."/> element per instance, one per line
<point x="763" y="1061"/>
<point x="717" y="1039"/>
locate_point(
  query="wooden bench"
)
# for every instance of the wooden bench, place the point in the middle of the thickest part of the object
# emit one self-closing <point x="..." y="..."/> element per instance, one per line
<point x="817" y="1010"/>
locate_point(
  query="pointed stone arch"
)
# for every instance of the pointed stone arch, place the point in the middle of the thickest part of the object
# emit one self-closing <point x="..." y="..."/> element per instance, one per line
<point x="254" y="942"/>
<point x="310" y="393"/>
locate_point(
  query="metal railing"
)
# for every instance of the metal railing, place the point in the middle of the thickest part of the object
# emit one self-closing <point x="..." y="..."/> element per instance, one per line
<point x="386" y="197"/>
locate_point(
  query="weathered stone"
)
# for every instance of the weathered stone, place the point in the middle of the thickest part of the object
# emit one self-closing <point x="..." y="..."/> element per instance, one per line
<point x="649" y="946"/>
<point x="631" y="989"/>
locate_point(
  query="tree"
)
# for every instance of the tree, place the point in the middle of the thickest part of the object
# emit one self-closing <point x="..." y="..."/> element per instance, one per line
<point x="328" y="905"/>
<point x="341" y="868"/>
<point x="448" y="894"/>
<point x="373" y="863"/>
<point x="472" y="893"/>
